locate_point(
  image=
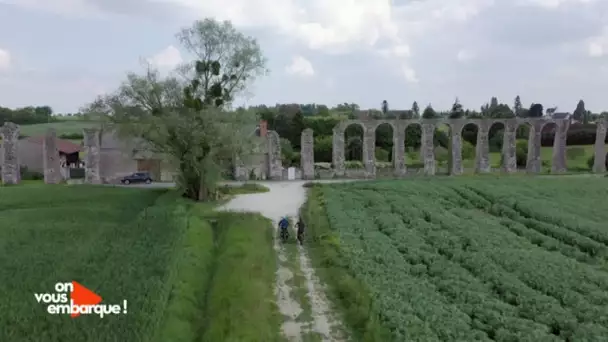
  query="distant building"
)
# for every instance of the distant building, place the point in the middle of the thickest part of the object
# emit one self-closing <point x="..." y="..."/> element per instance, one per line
<point x="30" y="153"/>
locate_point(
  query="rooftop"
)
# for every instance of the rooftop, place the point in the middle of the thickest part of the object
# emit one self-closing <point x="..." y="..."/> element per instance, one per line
<point x="64" y="146"/>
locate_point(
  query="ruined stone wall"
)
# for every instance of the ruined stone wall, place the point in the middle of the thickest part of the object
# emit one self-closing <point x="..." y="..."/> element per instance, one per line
<point x="51" y="160"/>
<point x="275" y="163"/>
<point x="10" y="154"/>
<point x="307" y="154"/>
<point x="92" y="172"/>
<point x="482" y="153"/>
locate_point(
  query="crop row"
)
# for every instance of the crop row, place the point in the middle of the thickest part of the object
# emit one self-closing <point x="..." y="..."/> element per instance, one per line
<point x="466" y="261"/>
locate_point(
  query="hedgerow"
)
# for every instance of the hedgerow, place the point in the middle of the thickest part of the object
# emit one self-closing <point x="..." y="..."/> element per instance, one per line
<point x="476" y="260"/>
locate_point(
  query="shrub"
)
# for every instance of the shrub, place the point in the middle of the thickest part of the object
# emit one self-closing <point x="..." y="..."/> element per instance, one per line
<point x="591" y="161"/>
<point x="441" y="155"/>
<point x="521" y="153"/>
<point x="30" y="175"/>
<point x="496" y="141"/>
<point x="353" y="164"/>
<point x="382" y="155"/>
<point x="468" y="150"/>
<point x="575" y="152"/>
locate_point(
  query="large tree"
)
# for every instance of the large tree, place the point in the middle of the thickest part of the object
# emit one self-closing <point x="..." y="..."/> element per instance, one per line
<point x="186" y="119"/>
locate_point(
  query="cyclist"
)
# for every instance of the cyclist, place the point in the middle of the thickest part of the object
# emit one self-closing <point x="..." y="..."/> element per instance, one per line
<point x="300" y="225"/>
<point x="283" y="226"/>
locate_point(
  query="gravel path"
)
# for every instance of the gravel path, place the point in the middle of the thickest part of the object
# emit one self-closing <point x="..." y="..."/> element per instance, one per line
<point x="286" y="198"/>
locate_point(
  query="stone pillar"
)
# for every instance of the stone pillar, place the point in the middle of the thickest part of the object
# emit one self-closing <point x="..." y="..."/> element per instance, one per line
<point x="455" y="163"/>
<point x="599" y="163"/>
<point x="482" y="150"/>
<point x="275" y="163"/>
<point x="533" y="164"/>
<point x="369" y="151"/>
<point x="50" y="155"/>
<point x="428" y="149"/>
<point x="399" y="150"/>
<point x="307" y="154"/>
<point x="337" y="154"/>
<point x="509" y="157"/>
<point x="92" y="172"/>
<point x="10" y="154"/>
<point x="558" y="164"/>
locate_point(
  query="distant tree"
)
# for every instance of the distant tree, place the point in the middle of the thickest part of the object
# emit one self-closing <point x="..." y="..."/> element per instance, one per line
<point x="187" y="119"/>
<point x="322" y="110"/>
<point x="429" y="112"/>
<point x="295" y="132"/>
<point x="550" y="111"/>
<point x="536" y="110"/>
<point x="580" y="111"/>
<point x="517" y="106"/>
<point x="457" y="112"/>
<point x="416" y="110"/>
<point x="384" y="107"/>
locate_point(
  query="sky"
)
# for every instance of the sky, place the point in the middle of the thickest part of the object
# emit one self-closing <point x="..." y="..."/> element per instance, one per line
<point x="63" y="53"/>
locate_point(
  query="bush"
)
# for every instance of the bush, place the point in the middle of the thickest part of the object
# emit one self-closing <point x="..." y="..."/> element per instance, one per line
<point x="591" y="161"/>
<point x="72" y="136"/>
<point x="353" y="164"/>
<point x="382" y="155"/>
<point x="441" y="155"/>
<point x="521" y="153"/>
<point x="574" y="152"/>
<point x="30" y="175"/>
<point x="496" y="141"/>
<point x="468" y="150"/>
<point x="323" y="148"/>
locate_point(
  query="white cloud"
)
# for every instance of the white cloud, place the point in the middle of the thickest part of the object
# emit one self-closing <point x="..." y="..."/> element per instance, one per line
<point x="598" y="46"/>
<point x="465" y="55"/>
<point x="5" y="60"/>
<point x="409" y="74"/>
<point x="300" y="66"/>
<point x="552" y="4"/>
<point x="168" y="58"/>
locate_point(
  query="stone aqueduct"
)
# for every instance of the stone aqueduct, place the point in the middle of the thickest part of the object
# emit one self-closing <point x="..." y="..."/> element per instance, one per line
<point x="10" y="157"/>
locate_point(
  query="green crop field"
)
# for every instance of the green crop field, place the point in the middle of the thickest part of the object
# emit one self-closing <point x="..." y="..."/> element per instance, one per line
<point x="178" y="265"/>
<point x="62" y="127"/>
<point x="475" y="259"/>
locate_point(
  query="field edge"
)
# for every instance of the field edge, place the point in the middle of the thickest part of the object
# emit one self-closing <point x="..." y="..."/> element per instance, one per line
<point x="351" y="298"/>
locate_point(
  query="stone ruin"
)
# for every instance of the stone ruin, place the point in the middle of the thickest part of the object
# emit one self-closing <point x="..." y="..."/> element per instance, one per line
<point x="9" y="161"/>
<point x="10" y="168"/>
<point x="482" y="161"/>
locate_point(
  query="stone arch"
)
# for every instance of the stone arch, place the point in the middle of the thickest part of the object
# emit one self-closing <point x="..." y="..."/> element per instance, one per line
<point x="496" y="139"/>
<point x="339" y="144"/>
<point x="410" y="142"/>
<point x="469" y="131"/>
<point x="442" y="145"/>
<point x="384" y="142"/>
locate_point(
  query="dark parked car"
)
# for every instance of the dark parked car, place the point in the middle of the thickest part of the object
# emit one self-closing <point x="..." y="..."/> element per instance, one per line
<point x="137" y="177"/>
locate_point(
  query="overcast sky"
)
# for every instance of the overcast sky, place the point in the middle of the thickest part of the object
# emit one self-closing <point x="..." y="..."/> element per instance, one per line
<point x="64" y="52"/>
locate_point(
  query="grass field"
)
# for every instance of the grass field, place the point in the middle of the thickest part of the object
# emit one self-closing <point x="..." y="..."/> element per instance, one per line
<point x="62" y="127"/>
<point x="178" y="264"/>
<point x="476" y="259"/>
